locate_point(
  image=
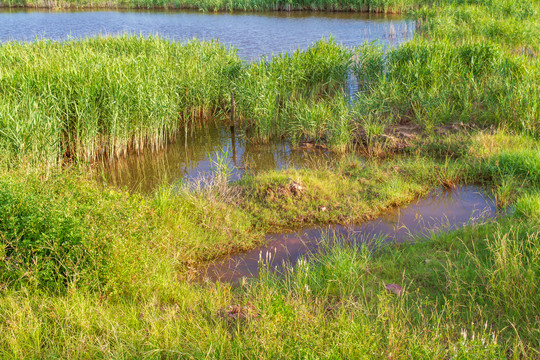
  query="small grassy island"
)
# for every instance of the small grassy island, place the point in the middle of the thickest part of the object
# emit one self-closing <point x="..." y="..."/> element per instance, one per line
<point x="91" y="271"/>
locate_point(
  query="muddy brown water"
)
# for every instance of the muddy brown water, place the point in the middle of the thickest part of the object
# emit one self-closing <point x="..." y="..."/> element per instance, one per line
<point x="442" y="210"/>
<point x="196" y="154"/>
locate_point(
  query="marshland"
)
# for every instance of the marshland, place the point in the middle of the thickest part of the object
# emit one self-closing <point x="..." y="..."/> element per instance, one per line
<point x="378" y="192"/>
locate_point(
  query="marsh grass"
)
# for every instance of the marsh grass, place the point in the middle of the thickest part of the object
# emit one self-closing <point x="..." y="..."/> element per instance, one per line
<point x="376" y="6"/>
<point x="82" y="99"/>
<point x="113" y="96"/>
<point x="462" y="65"/>
<point x="296" y="95"/>
<point x="87" y="271"/>
<point x="129" y="93"/>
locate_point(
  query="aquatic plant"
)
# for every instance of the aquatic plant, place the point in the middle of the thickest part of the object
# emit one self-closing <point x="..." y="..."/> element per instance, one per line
<point x="468" y="63"/>
<point x="377" y="6"/>
<point x="267" y="89"/>
<point x="82" y="99"/>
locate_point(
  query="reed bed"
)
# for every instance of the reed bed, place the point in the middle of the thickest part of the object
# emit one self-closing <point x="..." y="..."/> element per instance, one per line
<point x="269" y="91"/>
<point x="466" y="64"/>
<point x="81" y="99"/>
<point x="377" y="6"/>
<point x="103" y="97"/>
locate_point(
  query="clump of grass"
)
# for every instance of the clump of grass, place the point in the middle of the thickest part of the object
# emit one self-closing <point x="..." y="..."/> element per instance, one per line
<point x="326" y="120"/>
<point x="457" y="69"/>
<point x="528" y="205"/>
<point x="82" y="99"/>
<point x="371" y="132"/>
<point x="270" y="92"/>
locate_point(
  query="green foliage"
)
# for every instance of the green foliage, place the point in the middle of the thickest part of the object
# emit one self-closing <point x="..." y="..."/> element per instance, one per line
<point x="288" y="94"/>
<point x="82" y="99"/>
<point x="471" y="61"/>
<point x="90" y="272"/>
<point x="471" y="293"/>
<point x="523" y="165"/>
<point x="65" y="231"/>
<point x="439" y="81"/>
<point x="114" y="95"/>
<point x="378" y="6"/>
<point x="38" y="229"/>
<point x="528" y="205"/>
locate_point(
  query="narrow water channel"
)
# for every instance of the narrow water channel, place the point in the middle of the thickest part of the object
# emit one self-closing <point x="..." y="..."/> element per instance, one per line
<point x="442" y="210"/>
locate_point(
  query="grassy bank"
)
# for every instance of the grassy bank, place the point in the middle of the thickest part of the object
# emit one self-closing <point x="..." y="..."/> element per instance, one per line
<point x="471" y="293"/>
<point x="89" y="271"/>
<point x="109" y="268"/>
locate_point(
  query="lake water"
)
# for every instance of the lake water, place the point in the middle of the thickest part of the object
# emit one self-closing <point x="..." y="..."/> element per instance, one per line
<point x="253" y="34"/>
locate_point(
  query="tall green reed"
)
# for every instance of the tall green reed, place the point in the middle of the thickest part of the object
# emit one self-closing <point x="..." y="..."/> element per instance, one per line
<point x="82" y="99"/>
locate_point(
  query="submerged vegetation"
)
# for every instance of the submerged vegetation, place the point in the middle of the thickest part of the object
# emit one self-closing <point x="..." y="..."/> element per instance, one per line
<point x="90" y="271"/>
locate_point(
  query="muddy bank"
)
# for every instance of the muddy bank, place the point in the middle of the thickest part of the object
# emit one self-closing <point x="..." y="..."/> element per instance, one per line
<point x="404" y="137"/>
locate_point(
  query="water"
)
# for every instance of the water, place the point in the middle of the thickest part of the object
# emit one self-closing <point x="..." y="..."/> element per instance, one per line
<point x="252" y="34"/>
<point x="441" y="210"/>
<point x="196" y="154"/>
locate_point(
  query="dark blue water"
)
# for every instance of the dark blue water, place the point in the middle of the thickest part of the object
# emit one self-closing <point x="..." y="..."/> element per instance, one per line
<point x="252" y="34"/>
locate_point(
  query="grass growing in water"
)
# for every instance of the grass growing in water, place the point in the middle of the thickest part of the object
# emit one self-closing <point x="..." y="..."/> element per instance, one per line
<point x="455" y="70"/>
<point x="84" y="98"/>
<point x="113" y="95"/>
<point x="92" y="272"/>
<point x="376" y="6"/>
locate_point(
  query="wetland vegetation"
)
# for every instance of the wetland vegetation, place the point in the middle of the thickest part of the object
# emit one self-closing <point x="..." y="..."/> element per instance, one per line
<point x="378" y="6"/>
<point x="91" y="271"/>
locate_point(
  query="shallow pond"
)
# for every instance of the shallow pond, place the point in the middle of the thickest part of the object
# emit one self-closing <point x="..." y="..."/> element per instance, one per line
<point x="441" y="210"/>
<point x="199" y="152"/>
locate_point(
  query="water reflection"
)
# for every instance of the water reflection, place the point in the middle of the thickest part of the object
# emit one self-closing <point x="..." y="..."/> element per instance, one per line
<point x="442" y="210"/>
<point x="193" y="154"/>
